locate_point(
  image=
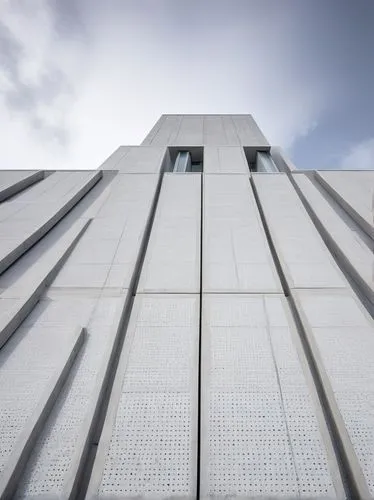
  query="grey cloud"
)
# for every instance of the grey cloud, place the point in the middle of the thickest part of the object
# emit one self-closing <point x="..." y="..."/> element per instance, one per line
<point x="21" y="96"/>
<point x="68" y="19"/>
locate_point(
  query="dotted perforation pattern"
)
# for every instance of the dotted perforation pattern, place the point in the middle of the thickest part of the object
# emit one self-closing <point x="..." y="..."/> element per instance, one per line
<point x="262" y="437"/>
<point x="58" y="446"/>
<point x="344" y="335"/>
<point x="28" y="362"/>
<point x="152" y="445"/>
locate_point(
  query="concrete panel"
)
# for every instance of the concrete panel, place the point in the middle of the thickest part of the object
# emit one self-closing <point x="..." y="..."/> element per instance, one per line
<point x="25" y="441"/>
<point x="236" y="256"/>
<point x="172" y="261"/>
<point x="14" y="181"/>
<point x="198" y="130"/>
<point x="54" y="466"/>
<point x="35" y="218"/>
<point x="148" y="448"/>
<point x="355" y="256"/>
<point x="141" y="160"/>
<point x="165" y="132"/>
<point x="190" y="132"/>
<point x="107" y="254"/>
<point x="19" y="299"/>
<point x="354" y="190"/>
<point x="112" y="161"/>
<point x="259" y="426"/>
<point x="341" y="334"/>
<point x="248" y="132"/>
<point x="214" y="130"/>
<point x="230" y="131"/>
<point x="225" y="160"/>
<point x="31" y="364"/>
<point x="304" y="257"/>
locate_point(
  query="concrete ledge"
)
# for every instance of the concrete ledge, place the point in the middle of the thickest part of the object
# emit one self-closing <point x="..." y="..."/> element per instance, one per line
<point x="35" y="236"/>
<point x="324" y="320"/>
<point x="87" y="434"/>
<point x="355" y="258"/>
<point x="23" y="448"/>
<point x="26" y="292"/>
<point x="361" y="221"/>
<point x="18" y="186"/>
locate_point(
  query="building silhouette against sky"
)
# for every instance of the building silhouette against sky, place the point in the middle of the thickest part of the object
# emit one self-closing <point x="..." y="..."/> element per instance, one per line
<point x="191" y="320"/>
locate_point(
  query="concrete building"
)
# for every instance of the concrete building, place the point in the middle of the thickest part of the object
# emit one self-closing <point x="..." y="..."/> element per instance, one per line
<point x="191" y="320"/>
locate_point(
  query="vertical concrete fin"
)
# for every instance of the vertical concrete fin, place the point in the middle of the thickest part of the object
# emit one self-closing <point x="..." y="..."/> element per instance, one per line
<point x="10" y="477"/>
<point x="156" y="396"/>
<point x="16" y="181"/>
<point x="41" y="224"/>
<point x="19" y="300"/>
<point x="353" y="257"/>
<point x="354" y="191"/>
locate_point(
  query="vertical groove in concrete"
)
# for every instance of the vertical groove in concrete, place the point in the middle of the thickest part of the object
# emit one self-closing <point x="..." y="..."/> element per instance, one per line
<point x="82" y="479"/>
<point x="199" y="421"/>
<point x="348" y="266"/>
<point x="10" y="477"/>
<point x="348" y="463"/>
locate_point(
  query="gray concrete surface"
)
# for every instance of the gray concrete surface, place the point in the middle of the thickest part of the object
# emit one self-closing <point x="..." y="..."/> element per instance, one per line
<point x="236" y="256"/>
<point x="172" y="261"/>
<point x="14" y="181"/>
<point x="278" y="404"/>
<point x="260" y="432"/>
<point x="148" y="447"/>
<point x="356" y="257"/>
<point x="306" y="261"/>
<point x="355" y="191"/>
<point x="199" y="130"/>
<point x="225" y="160"/>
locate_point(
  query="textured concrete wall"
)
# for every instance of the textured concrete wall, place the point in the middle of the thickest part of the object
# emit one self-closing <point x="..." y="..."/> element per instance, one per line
<point x="199" y="130"/>
<point x="168" y="335"/>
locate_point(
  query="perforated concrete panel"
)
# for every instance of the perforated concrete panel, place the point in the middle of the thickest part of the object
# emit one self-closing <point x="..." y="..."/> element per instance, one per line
<point x="305" y="260"/>
<point x="149" y="443"/>
<point x="236" y="256"/>
<point x="172" y="261"/>
<point x="54" y="463"/>
<point x="344" y="336"/>
<point x="355" y="191"/>
<point x="259" y="430"/>
<point x="27" y="364"/>
<point x="225" y="160"/>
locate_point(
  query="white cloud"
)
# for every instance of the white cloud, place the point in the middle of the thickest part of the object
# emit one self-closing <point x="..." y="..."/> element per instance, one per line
<point x="136" y="67"/>
<point x="359" y="157"/>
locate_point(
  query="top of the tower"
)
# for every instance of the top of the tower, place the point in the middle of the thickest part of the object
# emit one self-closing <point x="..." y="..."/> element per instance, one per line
<point x="206" y="130"/>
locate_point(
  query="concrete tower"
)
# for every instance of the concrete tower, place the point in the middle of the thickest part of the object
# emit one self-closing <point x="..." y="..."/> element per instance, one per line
<point x="191" y="320"/>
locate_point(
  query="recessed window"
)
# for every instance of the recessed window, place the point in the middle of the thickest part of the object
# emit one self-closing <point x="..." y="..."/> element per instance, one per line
<point x="185" y="160"/>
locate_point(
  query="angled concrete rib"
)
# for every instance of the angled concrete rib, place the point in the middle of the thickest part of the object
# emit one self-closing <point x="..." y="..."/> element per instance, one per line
<point x="18" y="458"/>
<point x="354" y="191"/>
<point x="354" y="255"/>
<point x="12" y="182"/>
<point x="13" y="248"/>
<point x="19" y="300"/>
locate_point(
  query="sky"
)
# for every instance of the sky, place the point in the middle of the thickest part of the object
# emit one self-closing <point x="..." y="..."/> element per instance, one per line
<point x="78" y="78"/>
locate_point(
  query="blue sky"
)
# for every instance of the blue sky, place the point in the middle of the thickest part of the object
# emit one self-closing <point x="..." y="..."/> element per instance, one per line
<point x="78" y="78"/>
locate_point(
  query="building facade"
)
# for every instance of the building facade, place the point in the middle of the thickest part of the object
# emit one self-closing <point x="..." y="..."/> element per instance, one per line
<point x="194" y="319"/>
